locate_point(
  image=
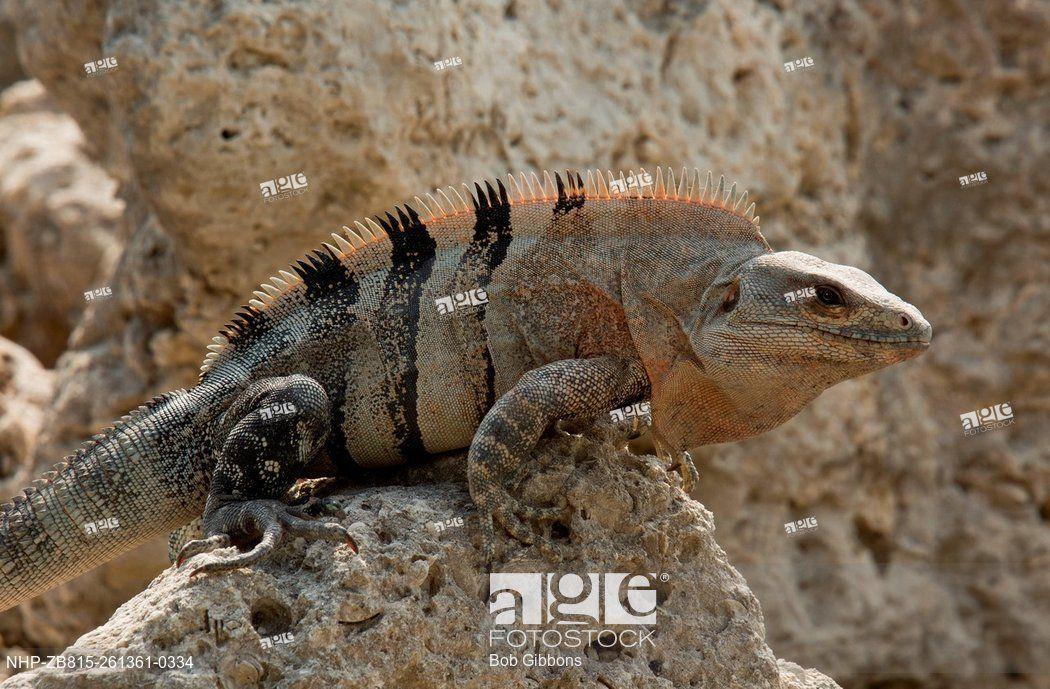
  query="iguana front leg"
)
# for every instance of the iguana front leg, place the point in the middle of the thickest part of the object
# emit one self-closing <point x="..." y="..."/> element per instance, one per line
<point x="278" y="425"/>
<point x="575" y="389"/>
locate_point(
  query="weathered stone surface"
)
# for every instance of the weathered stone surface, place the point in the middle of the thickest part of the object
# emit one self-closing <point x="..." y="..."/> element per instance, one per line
<point x="411" y="610"/>
<point x="58" y="222"/>
<point x="930" y="558"/>
<point x="25" y="389"/>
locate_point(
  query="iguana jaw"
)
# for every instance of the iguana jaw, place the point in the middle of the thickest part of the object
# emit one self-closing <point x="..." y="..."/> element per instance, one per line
<point x="917" y="343"/>
<point x="785" y="348"/>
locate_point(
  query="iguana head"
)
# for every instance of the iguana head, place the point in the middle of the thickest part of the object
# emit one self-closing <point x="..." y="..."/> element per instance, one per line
<point x="792" y="315"/>
<point x="745" y="349"/>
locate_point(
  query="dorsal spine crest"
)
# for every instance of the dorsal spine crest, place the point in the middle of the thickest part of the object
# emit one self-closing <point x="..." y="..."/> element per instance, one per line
<point x="525" y="188"/>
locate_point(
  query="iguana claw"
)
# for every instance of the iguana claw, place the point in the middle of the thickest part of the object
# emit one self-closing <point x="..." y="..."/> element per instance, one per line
<point x="203" y="545"/>
<point x="516" y="518"/>
<point x="685" y="467"/>
<point x="271" y="518"/>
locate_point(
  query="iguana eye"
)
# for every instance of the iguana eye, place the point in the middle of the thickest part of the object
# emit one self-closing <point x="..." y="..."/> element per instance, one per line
<point x="732" y="297"/>
<point x="829" y="296"/>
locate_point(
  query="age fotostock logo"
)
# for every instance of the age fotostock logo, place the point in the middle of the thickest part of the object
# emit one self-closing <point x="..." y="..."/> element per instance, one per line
<point x="535" y="611"/>
<point x="986" y="419"/>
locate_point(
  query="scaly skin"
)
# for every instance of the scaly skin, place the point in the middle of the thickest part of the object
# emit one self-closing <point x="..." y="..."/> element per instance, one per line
<point x="594" y="301"/>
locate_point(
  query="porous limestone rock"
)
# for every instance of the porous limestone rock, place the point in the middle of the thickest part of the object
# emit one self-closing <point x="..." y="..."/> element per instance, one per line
<point x="58" y="222"/>
<point x="25" y="388"/>
<point x="411" y="610"/>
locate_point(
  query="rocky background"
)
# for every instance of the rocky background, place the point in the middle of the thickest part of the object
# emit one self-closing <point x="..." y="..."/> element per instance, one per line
<point x="928" y="567"/>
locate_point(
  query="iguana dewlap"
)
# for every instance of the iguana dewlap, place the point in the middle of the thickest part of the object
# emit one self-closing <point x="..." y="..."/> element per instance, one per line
<point x="473" y="319"/>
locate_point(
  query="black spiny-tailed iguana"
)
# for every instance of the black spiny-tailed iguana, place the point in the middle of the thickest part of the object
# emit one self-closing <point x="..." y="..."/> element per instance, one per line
<point x="581" y="297"/>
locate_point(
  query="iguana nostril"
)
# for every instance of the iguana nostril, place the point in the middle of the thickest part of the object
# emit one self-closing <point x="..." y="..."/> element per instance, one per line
<point x="905" y="321"/>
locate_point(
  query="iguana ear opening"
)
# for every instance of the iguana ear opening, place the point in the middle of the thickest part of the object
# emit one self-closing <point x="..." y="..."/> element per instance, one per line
<point x="731" y="297"/>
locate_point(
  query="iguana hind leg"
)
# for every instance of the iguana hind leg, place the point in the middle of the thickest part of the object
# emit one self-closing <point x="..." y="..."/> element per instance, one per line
<point x="276" y="428"/>
<point x="575" y="389"/>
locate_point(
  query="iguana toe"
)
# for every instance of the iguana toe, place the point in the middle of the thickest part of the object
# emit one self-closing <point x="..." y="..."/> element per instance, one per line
<point x="201" y="545"/>
<point x="682" y="463"/>
<point x="515" y="525"/>
<point x="518" y="518"/>
<point x="271" y="518"/>
<point x="324" y="531"/>
<point x="687" y="469"/>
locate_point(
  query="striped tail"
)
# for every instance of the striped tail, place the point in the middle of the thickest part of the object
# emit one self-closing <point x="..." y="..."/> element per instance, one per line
<point x="143" y="477"/>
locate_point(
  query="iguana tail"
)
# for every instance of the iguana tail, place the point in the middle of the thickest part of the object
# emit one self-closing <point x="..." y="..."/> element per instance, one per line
<point x="146" y="475"/>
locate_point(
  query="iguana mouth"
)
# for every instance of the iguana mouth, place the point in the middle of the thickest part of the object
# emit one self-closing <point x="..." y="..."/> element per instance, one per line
<point x="910" y="342"/>
<point x="874" y="339"/>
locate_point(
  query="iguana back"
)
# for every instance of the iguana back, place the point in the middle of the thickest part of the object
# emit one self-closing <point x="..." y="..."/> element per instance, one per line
<point x="418" y="321"/>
